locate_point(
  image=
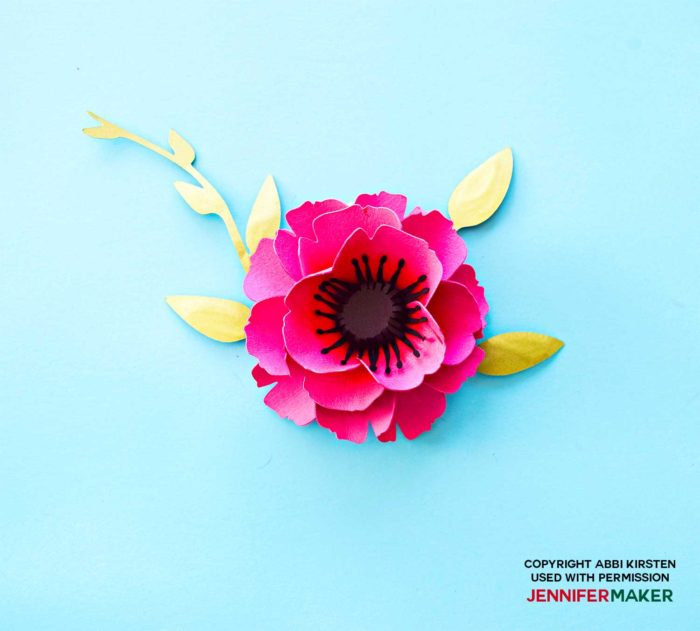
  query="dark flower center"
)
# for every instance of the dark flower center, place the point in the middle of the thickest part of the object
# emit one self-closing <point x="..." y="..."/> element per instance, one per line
<point x="371" y="314"/>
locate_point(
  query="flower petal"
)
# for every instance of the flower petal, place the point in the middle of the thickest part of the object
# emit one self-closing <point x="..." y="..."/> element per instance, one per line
<point x="458" y="317"/>
<point x="465" y="275"/>
<point x="289" y="399"/>
<point x="354" y="425"/>
<point x="431" y="351"/>
<point x="301" y="219"/>
<point x="441" y="236"/>
<point x="262" y="377"/>
<point x="333" y="229"/>
<point x="351" y="426"/>
<point x="389" y="435"/>
<point x="287" y="249"/>
<point x="397" y="203"/>
<point x="264" y="335"/>
<point x="350" y="390"/>
<point x="303" y="342"/>
<point x="449" y="379"/>
<point x="419" y="259"/>
<point x="417" y="409"/>
<point x="266" y="277"/>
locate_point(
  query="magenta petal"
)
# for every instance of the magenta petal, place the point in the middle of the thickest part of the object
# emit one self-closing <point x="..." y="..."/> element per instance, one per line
<point x="458" y="317"/>
<point x="381" y="413"/>
<point x="266" y="277"/>
<point x="449" y="379"/>
<point x="289" y="399"/>
<point x="414" y="369"/>
<point x="395" y="245"/>
<point x="441" y="236"/>
<point x="301" y="339"/>
<point x="397" y="203"/>
<point x="465" y="275"/>
<point x="388" y="436"/>
<point x="333" y="229"/>
<point x="301" y="219"/>
<point x="264" y="335"/>
<point x="351" y="426"/>
<point x="417" y="410"/>
<point x="287" y="249"/>
<point x="262" y="377"/>
<point x="350" y="390"/>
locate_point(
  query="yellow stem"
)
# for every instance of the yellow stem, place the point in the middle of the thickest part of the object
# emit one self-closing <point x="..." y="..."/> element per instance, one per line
<point x="224" y="213"/>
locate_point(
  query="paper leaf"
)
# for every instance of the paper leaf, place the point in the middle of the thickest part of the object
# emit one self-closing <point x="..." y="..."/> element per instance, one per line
<point x="221" y="320"/>
<point x="183" y="150"/>
<point x="509" y="353"/>
<point x="205" y="201"/>
<point x="105" y="130"/>
<point x="264" y="220"/>
<point x="480" y="194"/>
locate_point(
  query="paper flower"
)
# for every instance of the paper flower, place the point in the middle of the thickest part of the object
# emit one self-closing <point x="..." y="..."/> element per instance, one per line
<point x="363" y="316"/>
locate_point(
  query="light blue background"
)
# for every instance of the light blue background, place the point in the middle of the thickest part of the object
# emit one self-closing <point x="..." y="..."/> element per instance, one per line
<point x="143" y="483"/>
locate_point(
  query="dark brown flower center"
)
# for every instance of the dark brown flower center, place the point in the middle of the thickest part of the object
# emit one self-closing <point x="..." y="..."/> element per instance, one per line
<point x="371" y="314"/>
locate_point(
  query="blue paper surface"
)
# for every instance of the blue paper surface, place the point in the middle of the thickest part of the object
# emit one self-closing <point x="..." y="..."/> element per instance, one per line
<point x="143" y="483"/>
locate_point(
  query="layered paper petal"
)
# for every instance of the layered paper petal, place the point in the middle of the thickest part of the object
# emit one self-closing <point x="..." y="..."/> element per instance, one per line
<point x="289" y="399"/>
<point x="416" y="410"/>
<point x="465" y="275"/>
<point x="287" y="249"/>
<point x="301" y="219"/>
<point x="333" y="229"/>
<point x="419" y="259"/>
<point x="301" y="326"/>
<point x="354" y="425"/>
<point x="350" y="390"/>
<point x="431" y="353"/>
<point x="441" y="236"/>
<point x="458" y="317"/>
<point x="264" y="338"/>
<point x="397" y="203"/>
<point x="449" y="379"/>
<point x="266" y="277"/>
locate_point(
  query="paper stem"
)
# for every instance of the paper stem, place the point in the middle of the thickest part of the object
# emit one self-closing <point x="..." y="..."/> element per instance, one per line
<point x="224" y="212"/>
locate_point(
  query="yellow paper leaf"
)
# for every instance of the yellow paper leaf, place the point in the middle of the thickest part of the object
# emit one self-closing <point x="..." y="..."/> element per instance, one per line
<point x="480" y="194"/>
<point x="509" y="353"/>
<point x="183" y="150"/>
<point x="221" y="320"/>
<point x="105" y="130"/>
<point x="205" y="201"/>
<point x="264" y="220"/>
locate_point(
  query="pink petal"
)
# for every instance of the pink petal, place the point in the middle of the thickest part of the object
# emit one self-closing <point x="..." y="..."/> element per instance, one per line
<point x="381" y="413"/>
<point x="414" y="369"/>
<point x="397" y="203"/>
<point x="287" y="249"/>
<point x="465" y="275"/>
<point x="266" y="277"/>
<point x="388" y="436"/>
<point x="289" y="399"/>
<point x="264" y="335"/>
<point x="395" y="244"/>
<point x="350" y="390"/>
<point x="301" y="219"/>
<point x="262" y="377"/>
<point x="441" y="236"/>
<point x="354" y="425"/>
<point x="417" y="409"/>
<point x="303" y="342"/>
<point x="351" y="426"/>
<point x="449" y="379"/>
<point x="458" y="317"/>
<point x="333" y="229"/>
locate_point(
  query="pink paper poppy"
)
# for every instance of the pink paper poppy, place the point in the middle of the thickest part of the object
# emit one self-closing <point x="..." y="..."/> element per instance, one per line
<point x="364" y="317"/>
